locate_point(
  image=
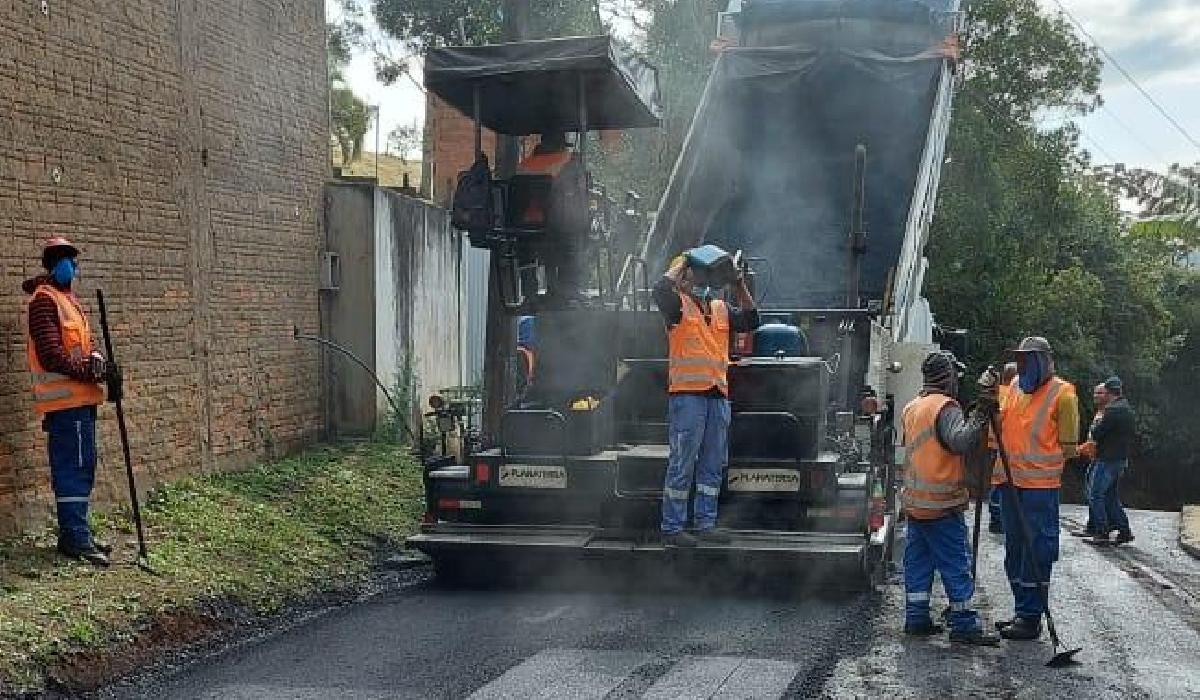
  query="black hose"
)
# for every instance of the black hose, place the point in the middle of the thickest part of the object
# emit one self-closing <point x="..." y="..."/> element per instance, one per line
<point x="297" y="335"/>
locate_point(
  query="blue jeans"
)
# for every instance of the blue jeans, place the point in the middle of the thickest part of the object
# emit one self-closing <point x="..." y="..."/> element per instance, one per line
<point x="1087" y="490"/>
<point x="938" y="545"/>
<point x="71" y="439"/>
<point x="1104" y="502"/>
<point x="1029" y="570"/>
<point x="994" y="505"/>
<point x="698" y="429"/>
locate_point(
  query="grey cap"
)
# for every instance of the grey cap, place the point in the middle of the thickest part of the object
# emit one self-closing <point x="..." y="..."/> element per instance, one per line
<point x="1035" y="343"/>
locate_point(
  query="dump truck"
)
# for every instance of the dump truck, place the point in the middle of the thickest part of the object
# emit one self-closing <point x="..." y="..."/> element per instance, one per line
<point x="815" y="150"/>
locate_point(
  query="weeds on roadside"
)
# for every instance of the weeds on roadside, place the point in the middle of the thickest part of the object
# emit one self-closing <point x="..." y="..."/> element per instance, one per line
<point x="259" y="538"/>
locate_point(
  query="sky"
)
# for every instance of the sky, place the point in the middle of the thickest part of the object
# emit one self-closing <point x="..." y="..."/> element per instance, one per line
<point x="1155" y="41"/>
<point x="1158" y="43"/>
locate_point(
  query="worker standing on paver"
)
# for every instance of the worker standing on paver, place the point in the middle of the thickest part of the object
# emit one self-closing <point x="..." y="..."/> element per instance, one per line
<point x="698" y="411"/>
<point x="1108" y="445"/>
<point x="526" y="353"/>
<point x="1039" y="430"/>
<point x="995" y="518"/>
<point x="66" y="371"/>
<point x="936" y="437"/>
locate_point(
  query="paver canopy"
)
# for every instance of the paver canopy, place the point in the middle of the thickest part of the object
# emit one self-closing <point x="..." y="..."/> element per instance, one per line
<point x="530" y="87"/>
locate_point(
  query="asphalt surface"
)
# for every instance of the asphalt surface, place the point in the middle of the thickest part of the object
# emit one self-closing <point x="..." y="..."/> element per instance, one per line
<point x="1133" y="609"/>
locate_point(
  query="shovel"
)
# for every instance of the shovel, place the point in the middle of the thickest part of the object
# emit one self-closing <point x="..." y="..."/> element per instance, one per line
<point x="143" y="558"/>
<point x="1066" y="657"/>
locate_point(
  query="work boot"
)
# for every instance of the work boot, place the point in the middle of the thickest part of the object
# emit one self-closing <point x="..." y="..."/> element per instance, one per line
<point x="104" y="547"/>
<point x="678" y="539"/>
<point x="88" y="553"/>
<point x="1084" y="532"/>
<point x="713" y="536"/>
<point x="977" y="637"/>
<point x="1023" y="629"/>
<point x="927" y="629"/>
<point x="1004" y="624"/>
<point x="1123" y="538"/>
<point x="1099" y="540"/>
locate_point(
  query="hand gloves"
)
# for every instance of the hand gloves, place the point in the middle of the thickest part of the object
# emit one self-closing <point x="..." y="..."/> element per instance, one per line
<point x="676" y="269"/>
<point x="1088" y="450"/>
<point x="115" y="381"/>
<point x="97" y="367"/>
<point x="989" y="391"/>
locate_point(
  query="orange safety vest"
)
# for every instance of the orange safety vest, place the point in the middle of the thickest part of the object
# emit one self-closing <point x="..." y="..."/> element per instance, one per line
<point x="699" y="349"/>
<point x="550" y="163"/>
<point x="934" y="479"/>
<point x="1029" y="431"/>
<point x="53" y="391"/>
<point x="997" y="466"/>
<point x="541" y="164"/>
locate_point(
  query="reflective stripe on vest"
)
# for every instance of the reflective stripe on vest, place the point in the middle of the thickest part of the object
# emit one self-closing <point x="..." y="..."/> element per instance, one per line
<point x="53" y="391"/>
<point x="1029" y="430"/>
<point x="699" y="350"/>
<point x="933" y="477"/>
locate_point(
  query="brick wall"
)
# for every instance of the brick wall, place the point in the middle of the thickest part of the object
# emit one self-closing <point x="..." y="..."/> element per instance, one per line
<point x="183" y="146"/>
<point x="450" y="146"/>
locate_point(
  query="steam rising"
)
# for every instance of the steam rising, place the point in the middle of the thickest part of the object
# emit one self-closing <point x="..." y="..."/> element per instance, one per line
<point x="770" y="162"/>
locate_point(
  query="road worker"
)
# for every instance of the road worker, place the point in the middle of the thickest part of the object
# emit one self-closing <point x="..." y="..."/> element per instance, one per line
<point x="698" y="328"/>
<point x="995" y="519"/>
<point x="548" y="157"/>
<point x="1108" y="446"/>
<point x="67" y="371"/>
<point x="526" y="353"/>
<point x="936" y="439"/>
<point x="1040" y="431"/>
<point x="549" y="194"/>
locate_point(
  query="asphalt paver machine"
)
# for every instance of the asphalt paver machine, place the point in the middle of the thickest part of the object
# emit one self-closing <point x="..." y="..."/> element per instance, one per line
<point x="815" y="150"/>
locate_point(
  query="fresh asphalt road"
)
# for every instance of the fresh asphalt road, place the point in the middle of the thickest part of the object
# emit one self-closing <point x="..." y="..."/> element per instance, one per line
<point x="1135" y="610"/>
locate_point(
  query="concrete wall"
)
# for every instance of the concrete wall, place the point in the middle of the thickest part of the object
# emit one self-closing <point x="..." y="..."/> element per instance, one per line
<point x="183" y="145"/>
<point x="475" y="297"/>
<point x="403" y="305"/>
<point x="349" y="312"/>
<point x="420" y="277"/>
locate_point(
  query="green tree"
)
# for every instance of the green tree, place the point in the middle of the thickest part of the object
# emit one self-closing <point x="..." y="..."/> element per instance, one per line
<point x="349" y="116"/>
<point x="675" y="37"/>
<point x="1169" y="202"/>
<point x="408" y="28"/>
<point x="406" y="140"/>
<point x="1026" y="239"/>
<point x="1174" y="442"/>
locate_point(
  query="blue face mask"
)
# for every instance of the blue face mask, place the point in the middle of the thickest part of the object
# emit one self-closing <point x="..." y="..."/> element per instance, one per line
<point x="1033" y="373"/>
<point x="64" y="272"/>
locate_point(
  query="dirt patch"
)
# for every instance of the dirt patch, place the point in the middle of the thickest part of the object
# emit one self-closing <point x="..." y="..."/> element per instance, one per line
<point x="82" y="671"/>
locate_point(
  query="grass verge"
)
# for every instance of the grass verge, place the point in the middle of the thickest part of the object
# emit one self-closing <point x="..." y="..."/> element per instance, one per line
<point x="256" y="539"/>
